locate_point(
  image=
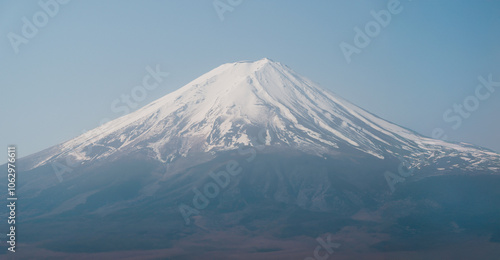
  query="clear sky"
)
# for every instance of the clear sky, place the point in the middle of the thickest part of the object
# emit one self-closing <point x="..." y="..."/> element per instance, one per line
<point x="81" y="58"/>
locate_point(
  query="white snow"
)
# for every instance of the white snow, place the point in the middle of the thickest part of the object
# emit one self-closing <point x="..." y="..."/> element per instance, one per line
<point x="216" y="111"/>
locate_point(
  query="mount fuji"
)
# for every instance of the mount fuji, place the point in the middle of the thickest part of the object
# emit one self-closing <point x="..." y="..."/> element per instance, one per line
<point x="225" y="108"/>
<point x="308" y="163"/>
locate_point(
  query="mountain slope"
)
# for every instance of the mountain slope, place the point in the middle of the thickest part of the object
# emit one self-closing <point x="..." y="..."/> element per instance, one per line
<point x="225" y="108"/>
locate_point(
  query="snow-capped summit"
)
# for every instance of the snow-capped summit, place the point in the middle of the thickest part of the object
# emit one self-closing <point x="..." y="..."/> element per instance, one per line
<point x="226" y="107"/>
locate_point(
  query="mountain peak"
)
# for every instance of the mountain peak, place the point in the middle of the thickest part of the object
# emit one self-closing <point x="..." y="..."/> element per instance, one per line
<point x="248" y="67"/>
<point x="265" y="60"/>
<point x="261" y="61"/>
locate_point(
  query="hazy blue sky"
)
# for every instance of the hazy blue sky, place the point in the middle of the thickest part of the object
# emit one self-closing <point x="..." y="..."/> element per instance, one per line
<point x="428" y="57"/>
